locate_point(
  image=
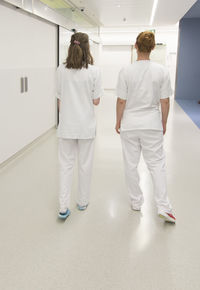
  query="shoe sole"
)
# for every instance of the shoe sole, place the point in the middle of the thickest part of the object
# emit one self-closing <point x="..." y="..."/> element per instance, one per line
<point x="82" y="208"/>
<point x="168" y="220"/>
<point x="136" y="209"/>
<point x="63" y="217"/>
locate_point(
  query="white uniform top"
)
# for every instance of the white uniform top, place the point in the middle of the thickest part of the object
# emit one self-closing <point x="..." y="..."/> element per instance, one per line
<point x="143" y="84"/>
<point x="76" y="88"/>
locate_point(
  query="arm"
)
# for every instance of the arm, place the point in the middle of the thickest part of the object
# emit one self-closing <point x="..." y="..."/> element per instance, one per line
<point x="97" y="90"/>
<point x="120" y="110"/>
<point x="165" y="112"/>
<point x="96" y="101"/>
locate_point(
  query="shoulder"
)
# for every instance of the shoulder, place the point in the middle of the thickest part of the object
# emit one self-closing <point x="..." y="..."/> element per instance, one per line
<point x="93" y="68"/>
<point x="159" y="67"/>
<point x="127" y="68"/>
<point x="126" y="71"/>
<point x="160" y="70"/>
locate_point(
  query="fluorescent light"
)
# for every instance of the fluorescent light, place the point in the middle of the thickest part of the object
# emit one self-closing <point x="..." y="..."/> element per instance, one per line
<point x="155" y="4"/>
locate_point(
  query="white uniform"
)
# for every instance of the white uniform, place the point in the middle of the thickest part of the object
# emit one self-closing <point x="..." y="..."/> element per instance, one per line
<point x="76" y="89"/>
<point x="142" y="85"/>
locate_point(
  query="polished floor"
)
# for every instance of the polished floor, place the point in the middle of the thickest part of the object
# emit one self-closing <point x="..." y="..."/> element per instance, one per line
<point x="192" y="108"/>
<point x="109" y="246"/>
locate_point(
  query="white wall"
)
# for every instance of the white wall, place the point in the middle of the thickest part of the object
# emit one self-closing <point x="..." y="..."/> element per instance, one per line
<point x="64" y="42"/>
<point x="28" y="48"/>
<point x="127" y="36"/>
<point x="113" y="58"/>
<point x="95" y="49"/>
<point x="113" y="39"/>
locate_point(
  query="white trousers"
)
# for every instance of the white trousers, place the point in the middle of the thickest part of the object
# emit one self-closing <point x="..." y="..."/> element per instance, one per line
<point x="150" y="142"/>
<point x="68" y="149"/>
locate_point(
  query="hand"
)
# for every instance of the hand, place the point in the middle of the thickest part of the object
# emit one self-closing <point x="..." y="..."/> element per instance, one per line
<point x="164" y="129"/>
<point x="117" y="128"/>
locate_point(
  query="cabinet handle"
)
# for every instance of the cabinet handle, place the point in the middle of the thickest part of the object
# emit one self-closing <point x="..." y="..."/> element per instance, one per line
<point x="26" y="84"/>
<point x="22" y="85"/>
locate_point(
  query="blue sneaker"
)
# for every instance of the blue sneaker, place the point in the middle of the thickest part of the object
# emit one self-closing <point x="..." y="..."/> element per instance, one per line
<point x="64" y="215"/>
<point x="82" y="207"/>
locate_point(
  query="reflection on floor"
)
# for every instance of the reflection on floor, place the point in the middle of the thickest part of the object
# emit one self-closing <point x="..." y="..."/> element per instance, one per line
<point x="192" y="109"/>
<point x="108" y="246"/>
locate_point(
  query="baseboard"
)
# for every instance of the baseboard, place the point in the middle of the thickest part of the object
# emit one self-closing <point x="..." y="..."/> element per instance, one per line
<point x="27" y="147"/>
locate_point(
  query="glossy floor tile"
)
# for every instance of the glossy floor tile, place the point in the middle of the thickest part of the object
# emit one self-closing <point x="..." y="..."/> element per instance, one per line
<point x="108" y="246"/>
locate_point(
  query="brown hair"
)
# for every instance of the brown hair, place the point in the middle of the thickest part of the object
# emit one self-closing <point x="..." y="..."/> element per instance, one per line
<point x="79" y="52"/>
<point x="145" y="41"/>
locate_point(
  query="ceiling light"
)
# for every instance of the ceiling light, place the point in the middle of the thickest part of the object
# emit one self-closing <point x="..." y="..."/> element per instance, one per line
<point x="118" y="5"/>
<point x="155" y="4"/>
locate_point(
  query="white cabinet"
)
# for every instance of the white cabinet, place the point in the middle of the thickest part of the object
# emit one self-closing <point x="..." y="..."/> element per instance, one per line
<point x="28" y="49"/>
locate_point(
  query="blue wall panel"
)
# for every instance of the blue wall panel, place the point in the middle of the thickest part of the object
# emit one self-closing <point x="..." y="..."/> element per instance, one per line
<point x="188" y="65"/>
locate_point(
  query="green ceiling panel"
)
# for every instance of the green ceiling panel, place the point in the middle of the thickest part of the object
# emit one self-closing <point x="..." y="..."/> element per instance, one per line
<point x="57" y="4"/>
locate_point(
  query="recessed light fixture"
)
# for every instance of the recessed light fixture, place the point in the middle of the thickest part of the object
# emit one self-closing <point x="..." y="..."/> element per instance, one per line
<point x="118" y="6"/>
<point x="155" y="4"/>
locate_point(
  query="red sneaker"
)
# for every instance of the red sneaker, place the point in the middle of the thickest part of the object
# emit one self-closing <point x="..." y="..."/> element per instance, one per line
<point x="168" y="217"/>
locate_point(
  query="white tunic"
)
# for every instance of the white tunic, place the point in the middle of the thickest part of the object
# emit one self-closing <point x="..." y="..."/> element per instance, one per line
<point x="143" y="84"/>
<point x="76" y="88"/>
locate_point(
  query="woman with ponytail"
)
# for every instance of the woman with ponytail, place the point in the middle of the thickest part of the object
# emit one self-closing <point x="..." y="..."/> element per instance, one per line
<point x="142" y="87"/>
<point x="79" y="88"/>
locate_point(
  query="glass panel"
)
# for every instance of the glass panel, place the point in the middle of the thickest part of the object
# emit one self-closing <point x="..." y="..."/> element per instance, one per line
<point x="27" y="5"/>
<point x="69" y="12"/>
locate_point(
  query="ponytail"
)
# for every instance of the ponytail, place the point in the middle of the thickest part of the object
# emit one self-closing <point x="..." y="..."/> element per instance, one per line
<point x="79" y="52"/>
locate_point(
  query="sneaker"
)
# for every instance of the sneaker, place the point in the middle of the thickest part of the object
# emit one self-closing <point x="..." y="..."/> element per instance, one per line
<point x="64" y="215"/>
<point x="82" y="207"/>
<point x="168" y="217"/>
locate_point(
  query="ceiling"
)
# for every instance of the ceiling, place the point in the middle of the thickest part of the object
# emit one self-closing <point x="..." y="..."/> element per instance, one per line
<point x="67" y="10"/>
<point x="112" y="13"/>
